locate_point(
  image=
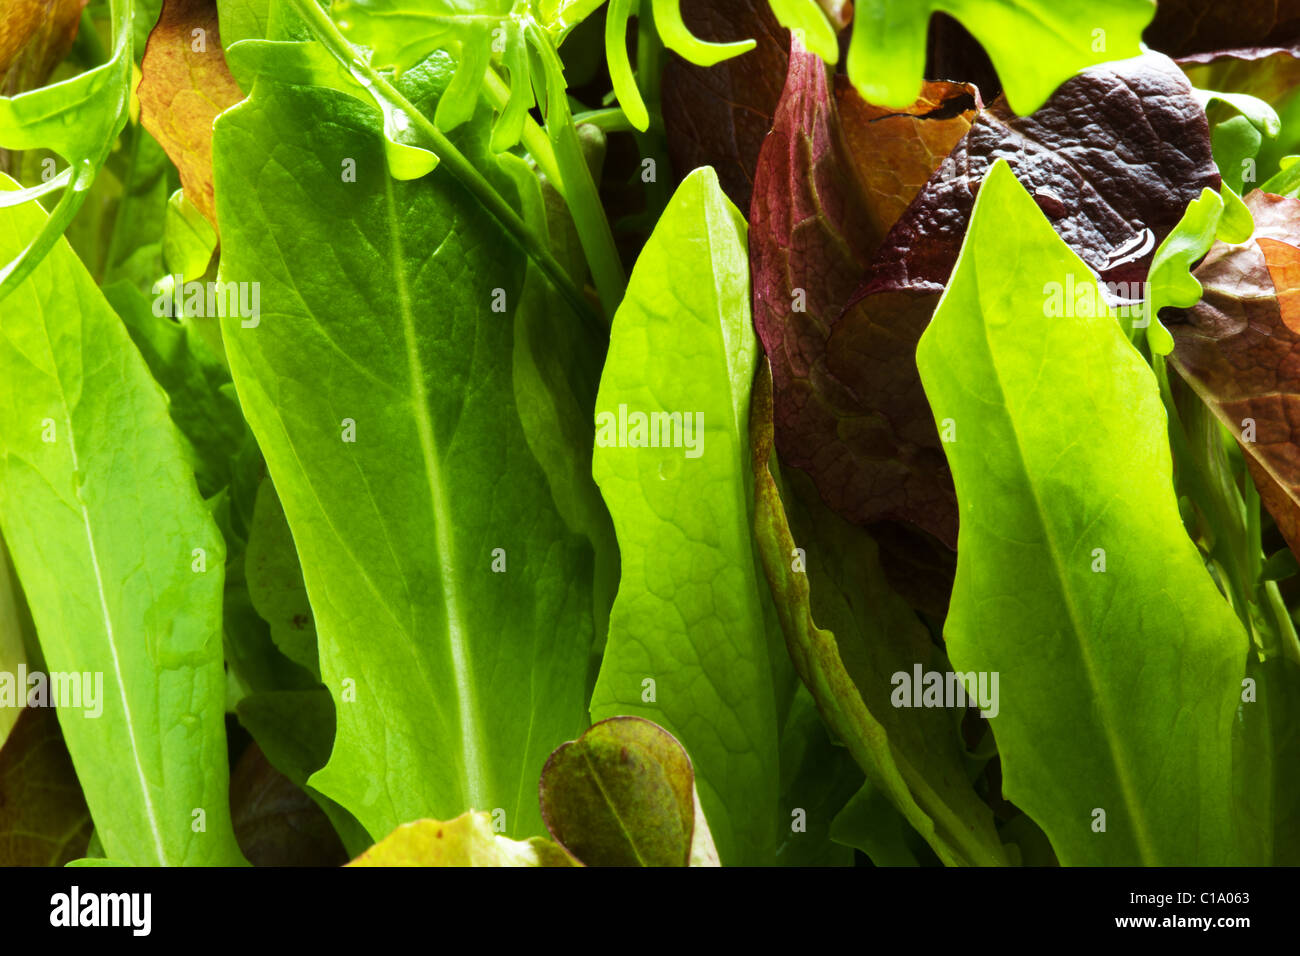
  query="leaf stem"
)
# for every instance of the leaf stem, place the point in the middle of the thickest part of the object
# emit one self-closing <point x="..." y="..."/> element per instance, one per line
<point x="653" y="142"/>
<point x="581" y="195"/>
<point x="612" y="119"/>
<point x="535" y="141"/>
<point x="1214" y="500"/>
<point x="461" y="168"/>
<point x="1286" y="631"/>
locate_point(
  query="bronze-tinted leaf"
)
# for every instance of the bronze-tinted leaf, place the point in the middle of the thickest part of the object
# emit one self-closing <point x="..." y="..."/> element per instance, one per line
<point x="43" y="816"/>
<point x="893" y="153"/>
<point x="35" y="35"/>
<point x="623" y="794"/>
<point x="185" y="85"/>
<point x="1239" y="348"/>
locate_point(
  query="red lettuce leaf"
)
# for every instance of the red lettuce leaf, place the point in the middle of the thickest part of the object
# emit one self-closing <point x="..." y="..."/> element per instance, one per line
<point x="832" y="176"/>
<point x="1239" y="349"/>
<point x="1181" y="27"/>
<point x="1112" y="159"/>
<point x="718" y="116"/>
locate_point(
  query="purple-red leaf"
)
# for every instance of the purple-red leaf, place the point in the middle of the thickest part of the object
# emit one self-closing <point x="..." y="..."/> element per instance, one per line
<point x="1194" y="26"/>
<point x="275" y="821"/>
<point x="832" y="177"/>
<point x="43" y="815"/>
<point x="1112" y="159"/>
<point x="718" y="116"/>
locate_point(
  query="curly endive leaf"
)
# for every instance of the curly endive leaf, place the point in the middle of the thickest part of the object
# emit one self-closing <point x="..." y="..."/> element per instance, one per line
<point x="1117" y="690"/>
<point x="402" y="33"/>
<point x="678" y="38"/>
<point x="719" y="116"/>
<point x="620" y="68"/>
<point x="88" y="447"/>
<point x="816" y="23"/>
<point x="1036" y="45"/>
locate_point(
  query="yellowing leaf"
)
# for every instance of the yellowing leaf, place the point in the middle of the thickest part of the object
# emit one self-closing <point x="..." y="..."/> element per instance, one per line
<point x="467" y="840"/>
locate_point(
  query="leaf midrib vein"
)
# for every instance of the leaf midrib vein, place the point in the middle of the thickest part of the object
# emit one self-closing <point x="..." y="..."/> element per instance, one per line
<point x="150" y="813"/>
<point x="472" y="747"/>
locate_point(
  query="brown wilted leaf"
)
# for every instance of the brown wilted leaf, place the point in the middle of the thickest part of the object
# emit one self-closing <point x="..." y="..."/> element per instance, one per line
<point x="186" y="84"/>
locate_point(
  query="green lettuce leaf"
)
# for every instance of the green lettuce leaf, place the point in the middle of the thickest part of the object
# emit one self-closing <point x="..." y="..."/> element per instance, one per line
<point x="1268" y="754"/>
<point x="88" y="448"/>
<point x="275" y="584"/>
<point x="378" y="383"/>
<point x="1119" y="663"/>
<point x="824" y="571"/>
<point x="688" y="645"/>
<point x="78" y="119"/>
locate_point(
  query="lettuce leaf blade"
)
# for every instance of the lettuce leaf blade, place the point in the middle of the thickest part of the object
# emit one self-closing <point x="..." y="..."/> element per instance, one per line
<point x="453" y="681"/>
<point x="688" y="646"/>
<point x="1120" y="664"/>
<point x="110" y="593"/>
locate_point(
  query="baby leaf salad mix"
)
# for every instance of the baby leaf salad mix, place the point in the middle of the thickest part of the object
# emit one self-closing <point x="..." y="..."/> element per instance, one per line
<point x="649" y="432"/>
